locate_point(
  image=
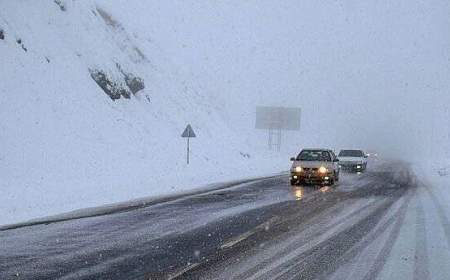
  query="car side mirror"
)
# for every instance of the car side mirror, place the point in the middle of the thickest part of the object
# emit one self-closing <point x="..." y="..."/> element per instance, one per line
<point x="366" y="156"/>
<point x="292" y="158"/>
<point x="336" y="160"/>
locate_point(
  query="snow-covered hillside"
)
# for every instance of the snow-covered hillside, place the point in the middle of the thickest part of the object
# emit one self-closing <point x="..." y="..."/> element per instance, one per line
<point x="371" y="75"/>
<point x="66" y="144"/>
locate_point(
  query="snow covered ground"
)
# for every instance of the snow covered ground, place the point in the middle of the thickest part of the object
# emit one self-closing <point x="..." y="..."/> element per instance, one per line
<point x="417" y="244"/>
<point x="422" y="248"/>
<point x="65" y="144"/>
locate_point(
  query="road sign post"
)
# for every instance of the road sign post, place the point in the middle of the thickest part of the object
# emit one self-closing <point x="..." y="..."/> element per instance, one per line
<point x="188" y="133"/>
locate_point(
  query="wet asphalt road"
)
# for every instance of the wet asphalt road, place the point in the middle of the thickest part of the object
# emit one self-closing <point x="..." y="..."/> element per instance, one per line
<point x="259" y="230"/>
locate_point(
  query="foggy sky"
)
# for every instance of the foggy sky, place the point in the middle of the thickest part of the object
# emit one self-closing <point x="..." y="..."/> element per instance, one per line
<point x="370" y="74"/>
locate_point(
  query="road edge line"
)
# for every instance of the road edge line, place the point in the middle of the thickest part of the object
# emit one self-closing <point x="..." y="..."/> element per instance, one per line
<point x="127" y="206"/>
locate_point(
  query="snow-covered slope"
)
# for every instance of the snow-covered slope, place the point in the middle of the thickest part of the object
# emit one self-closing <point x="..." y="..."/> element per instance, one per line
<point x="65" y="144"/>
<point x="366" y="74"/>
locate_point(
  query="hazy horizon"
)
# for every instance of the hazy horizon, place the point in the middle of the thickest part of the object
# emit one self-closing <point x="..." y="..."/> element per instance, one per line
<point x="372" y="75"/>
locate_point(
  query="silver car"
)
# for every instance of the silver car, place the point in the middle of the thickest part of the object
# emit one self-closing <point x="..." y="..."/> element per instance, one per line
<point x="315" y="166"/>
<point x="353" y="160"/>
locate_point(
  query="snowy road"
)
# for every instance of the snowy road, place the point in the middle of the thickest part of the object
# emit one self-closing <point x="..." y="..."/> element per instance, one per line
<point x="260" y="230"/>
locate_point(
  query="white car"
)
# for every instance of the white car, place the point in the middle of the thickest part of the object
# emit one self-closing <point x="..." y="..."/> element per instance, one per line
<point x="353" y="160"/>
<point x="315" y="166"/>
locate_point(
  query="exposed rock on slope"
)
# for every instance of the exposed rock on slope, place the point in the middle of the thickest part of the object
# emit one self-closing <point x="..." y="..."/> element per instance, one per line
<point x="113" y="89"/>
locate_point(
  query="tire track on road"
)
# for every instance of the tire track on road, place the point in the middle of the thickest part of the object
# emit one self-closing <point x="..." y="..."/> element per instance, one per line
<point x="421" y="263"/>
<point x="445" y="222"/>
<point x="385" y="251"/>
<point x="298" y="244"/>
<point x="331" y="257"/>
<point x="322" y="259"/>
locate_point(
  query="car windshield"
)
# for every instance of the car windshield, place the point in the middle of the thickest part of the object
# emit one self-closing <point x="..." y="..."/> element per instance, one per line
<point x="314" y="155"/>
<point x="351" y="153"/>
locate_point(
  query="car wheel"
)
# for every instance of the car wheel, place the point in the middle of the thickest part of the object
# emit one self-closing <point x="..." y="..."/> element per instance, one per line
<point x="293" y="183"/>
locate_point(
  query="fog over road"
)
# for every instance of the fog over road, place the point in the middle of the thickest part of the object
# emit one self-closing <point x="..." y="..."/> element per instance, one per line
<point x="264" y="229"/>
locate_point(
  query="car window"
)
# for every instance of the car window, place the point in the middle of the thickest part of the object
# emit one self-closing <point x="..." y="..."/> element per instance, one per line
<point x="333" y="156"/>
<point x="314" y="155"/>
<point x="351" y="153"/>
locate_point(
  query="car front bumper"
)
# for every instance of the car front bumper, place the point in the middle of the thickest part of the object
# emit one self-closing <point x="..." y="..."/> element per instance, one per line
<point x="352" y="167"/>
<point x="310" y="178"/>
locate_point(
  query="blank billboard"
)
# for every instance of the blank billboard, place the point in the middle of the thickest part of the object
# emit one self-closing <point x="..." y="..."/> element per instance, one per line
<point x="283" y="118"/>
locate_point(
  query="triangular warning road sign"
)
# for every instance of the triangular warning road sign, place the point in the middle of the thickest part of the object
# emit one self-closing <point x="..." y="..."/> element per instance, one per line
<point x="188" y="132"/>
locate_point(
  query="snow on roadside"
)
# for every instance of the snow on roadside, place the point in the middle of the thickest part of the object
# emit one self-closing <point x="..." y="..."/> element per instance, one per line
<point x="422" y="248"/>
<point x="416" y="244"/>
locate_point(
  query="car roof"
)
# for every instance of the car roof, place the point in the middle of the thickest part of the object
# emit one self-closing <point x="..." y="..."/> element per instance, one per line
<point x="324" y="150"/>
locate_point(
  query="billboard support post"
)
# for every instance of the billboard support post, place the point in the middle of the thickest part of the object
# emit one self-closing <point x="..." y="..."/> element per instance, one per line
<point x="275" y="120"/>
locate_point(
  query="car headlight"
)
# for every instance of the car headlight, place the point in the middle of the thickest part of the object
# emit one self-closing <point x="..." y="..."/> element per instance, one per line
<point x="323" y="170"/>
<point x="298" y="169"/>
